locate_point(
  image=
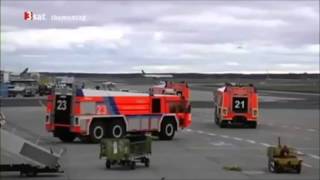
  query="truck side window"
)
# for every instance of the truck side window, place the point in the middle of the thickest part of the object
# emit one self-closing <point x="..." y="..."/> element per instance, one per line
<point x="156" y="105"/>
<point x="177" y="107"/>
<point x="88" y="107"/>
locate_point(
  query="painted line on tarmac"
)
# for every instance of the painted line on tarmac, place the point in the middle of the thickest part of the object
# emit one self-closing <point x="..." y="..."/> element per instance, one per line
<point x="224" y="136"/>
<point x="311" y="130"/>
<point x="250" y="141"/>
<point x="211" y="134"/>
<point x="265" y="144"/>
<point x="253" y="172"/>
<point x="296" y="127"/>
<point x="238" y="139"/>
<point x="307" y="165"/>
<point x="314" y="156"/>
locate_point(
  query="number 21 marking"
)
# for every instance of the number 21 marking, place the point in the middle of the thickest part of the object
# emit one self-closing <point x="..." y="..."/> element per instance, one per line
<point x="238" y="103"/>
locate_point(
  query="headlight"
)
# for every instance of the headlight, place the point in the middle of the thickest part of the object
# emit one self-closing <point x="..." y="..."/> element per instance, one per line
<point x="76" y="121"/>
<point x="255" y="112"/>
<point x="47" y="119"/>
<point x="224" y="111"/>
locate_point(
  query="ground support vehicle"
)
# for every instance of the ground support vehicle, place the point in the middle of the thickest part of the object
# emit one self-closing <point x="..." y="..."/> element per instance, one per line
<point x="44" y="90"/>
<point x="236" y="105"/>
<point x="282" y="158"/>
<point x="126" y="151"/>
<point x="92" y="114"/>
<point x="23" y="87"/>
<point x="18" y="154"/>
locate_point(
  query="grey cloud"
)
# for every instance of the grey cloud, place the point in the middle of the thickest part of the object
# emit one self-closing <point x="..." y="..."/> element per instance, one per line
<point x="145" y="18"/>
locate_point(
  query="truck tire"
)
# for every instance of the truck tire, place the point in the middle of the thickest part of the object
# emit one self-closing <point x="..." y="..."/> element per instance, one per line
<point x="97" y="131"/>
<point x="108" y="164"/>
<point x="277" y="169"/>
<point x="167" y="130"/>
<point x="132" y="165"/>
<point x="222" y="124"/>
<point x="85" y="139"/>
<point x="29" y="172"/>
<point x="32" y="173"/>
<point x="116" y="130"/>
<point x="216" y="119"/>
<point x="252" y="125"/>
<point x="65" y="135"/>
<point x="298" y="169"/>
<point x="146" y="162"/>
<point x="270" y="166"/>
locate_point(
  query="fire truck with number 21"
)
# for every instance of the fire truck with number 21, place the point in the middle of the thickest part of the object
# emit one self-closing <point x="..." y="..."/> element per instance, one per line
<point x="92" y="114"/>
<point x="236" y="104"/>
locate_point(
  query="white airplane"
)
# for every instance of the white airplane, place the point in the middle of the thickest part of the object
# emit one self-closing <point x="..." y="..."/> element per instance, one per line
<point x="156" y="75"/>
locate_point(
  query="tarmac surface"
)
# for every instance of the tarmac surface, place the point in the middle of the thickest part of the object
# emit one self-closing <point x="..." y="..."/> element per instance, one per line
<point x="198" y="152"/>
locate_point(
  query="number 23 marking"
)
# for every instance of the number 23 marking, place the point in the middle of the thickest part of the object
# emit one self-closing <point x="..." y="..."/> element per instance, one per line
<point x="62" y="105"/>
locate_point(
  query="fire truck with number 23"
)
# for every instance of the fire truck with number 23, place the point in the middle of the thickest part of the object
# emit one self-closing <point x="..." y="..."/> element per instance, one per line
<point x="92" y="114"/>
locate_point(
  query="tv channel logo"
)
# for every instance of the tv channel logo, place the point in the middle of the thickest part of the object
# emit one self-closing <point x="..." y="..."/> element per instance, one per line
<point x="28" y="15"/>
<point x="31" y="16"/>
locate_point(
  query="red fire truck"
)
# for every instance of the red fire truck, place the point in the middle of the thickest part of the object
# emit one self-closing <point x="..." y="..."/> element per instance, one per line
<point x="94" y="114"/>
<point x="236" y="104"/>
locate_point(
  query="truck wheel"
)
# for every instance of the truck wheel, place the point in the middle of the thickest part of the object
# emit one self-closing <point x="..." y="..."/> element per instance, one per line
<point x="253" y="125"/>
<point x="298" y="169"/>
<point x="116" y="130"/>
<point x="276" y="168"/>
<point x="31" y="173"/>
<point x="66" y="136"/>
<point x="216" y="119"/>
<point x="167" y="130"/>
<point x="132" y="165"/>
<point x="97" y="131"/>
<point x="222" y="124"/>
<point x="85" y="139"/>
<point x="108" y="164"/>
<point x="146" y="162"/>
<point x="270" y="166"/>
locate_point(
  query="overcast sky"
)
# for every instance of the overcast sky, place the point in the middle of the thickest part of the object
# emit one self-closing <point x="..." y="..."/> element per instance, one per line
<point x="159" y="37"/>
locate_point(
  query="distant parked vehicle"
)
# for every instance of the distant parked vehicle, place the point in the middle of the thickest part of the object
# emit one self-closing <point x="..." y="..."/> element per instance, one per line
<point x="23" y="87"/>
<point x="44" y="90"/>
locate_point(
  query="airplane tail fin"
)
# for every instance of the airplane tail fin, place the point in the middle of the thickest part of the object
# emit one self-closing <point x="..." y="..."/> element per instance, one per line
<point x="143" y="73"/>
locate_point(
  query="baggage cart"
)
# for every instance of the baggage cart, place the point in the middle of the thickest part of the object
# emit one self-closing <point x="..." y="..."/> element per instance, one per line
<point x="126" y="151"/>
